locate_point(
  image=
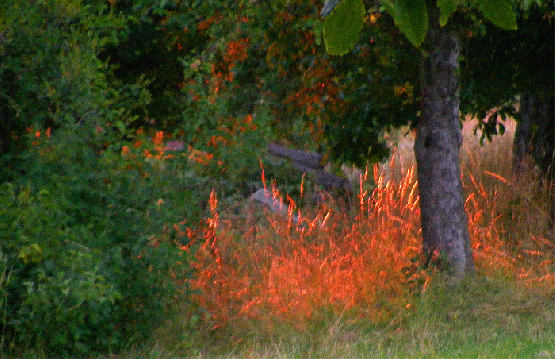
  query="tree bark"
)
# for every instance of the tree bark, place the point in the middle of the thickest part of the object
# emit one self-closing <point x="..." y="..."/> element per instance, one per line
<point x="535" y="139"/>
<point x="523" y="135"/>
<point x="438" y="139"/>
<point x="535" y="132"/>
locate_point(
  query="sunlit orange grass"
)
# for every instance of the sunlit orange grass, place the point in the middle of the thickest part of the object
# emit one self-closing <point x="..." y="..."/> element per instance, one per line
<point x="264" y="272"/>
<point x="273" y="272"/>
<point x="492" y="255"/>
<point x="527" y="255"/>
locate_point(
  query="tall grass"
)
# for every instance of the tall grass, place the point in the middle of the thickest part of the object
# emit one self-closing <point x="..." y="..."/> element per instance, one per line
<point x="343" y="282"/>
<point x="272" y="271"/>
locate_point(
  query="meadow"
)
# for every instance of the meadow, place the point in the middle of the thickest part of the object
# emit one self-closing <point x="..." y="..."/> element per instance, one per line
<point x="346" y="279"/>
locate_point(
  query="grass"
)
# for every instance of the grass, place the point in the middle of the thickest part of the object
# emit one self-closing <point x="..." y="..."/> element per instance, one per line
<point x="346" y="282"/>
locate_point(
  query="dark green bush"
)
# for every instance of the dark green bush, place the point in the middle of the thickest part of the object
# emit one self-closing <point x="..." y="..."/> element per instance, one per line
<point x="50" y="74"/>
<point x="92" y="241"/>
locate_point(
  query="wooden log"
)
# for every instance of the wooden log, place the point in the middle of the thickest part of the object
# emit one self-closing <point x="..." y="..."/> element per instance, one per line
<point x="311" y="163"/>
<point x="308" y="159"/>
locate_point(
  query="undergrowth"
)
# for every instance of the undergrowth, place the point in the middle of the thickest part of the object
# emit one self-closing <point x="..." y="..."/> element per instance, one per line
<point x="343" y="278"/>
<point x="330" y="281"/>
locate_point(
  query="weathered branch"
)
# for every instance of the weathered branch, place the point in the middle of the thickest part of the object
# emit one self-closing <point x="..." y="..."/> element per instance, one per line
<point x="308" y="159"/>
<point x="310" y="162"/>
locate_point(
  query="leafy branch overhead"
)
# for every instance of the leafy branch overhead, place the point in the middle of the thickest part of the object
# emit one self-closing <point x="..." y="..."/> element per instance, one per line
<point x="342" y="26"/>
<point x="344" y="18"/>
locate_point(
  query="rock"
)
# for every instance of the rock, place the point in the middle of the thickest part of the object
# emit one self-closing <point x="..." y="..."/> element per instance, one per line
<point x="275" y="205"/>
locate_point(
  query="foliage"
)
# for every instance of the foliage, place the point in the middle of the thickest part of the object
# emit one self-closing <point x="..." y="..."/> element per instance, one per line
<point x="95" y="243"/>
<point x="243" y="69"/>
<point x="341" y="28"/>
<point x="150" y="46"/>
<point x="412" y="19"/>
<point x="412" y="16"/>
<point x="277" y="68"/>
<point x="499" y="12"/>
<point x="380" y="92"/>
<point x="203" y="66"/>
<point x="493" y="80"/>
<point x="74" y="241"/>
<point x="49" y="71"/>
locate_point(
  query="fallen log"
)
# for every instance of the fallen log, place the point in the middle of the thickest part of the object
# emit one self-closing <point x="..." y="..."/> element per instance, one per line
<point x="312" y="163"/>
<point x="311" y="160"/>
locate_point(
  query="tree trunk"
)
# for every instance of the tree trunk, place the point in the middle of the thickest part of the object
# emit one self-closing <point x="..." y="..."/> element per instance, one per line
<point x="438" y="139"/>
<point x="535" y="132"/>
<point x="535" y="138"/>
<point x="523" y="135"/>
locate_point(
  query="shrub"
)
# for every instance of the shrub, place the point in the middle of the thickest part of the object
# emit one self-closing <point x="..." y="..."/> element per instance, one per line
<point x="94" y="243"/>
<point x="50" y="74"/>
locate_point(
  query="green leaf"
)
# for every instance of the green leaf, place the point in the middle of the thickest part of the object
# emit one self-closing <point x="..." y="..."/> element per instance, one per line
<point x="446" y="8"/>
<point x="387" y="5"/>
<point x="411" y="17"/>
<point x="498" y="12"/>
<point x="342" y="26"/>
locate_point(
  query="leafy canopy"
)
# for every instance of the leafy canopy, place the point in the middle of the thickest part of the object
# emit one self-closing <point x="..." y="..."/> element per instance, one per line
<point x="342" y="25"/>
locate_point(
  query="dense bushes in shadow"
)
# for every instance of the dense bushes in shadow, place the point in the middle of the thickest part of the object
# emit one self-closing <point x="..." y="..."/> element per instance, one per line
<point x="93" y="245"/>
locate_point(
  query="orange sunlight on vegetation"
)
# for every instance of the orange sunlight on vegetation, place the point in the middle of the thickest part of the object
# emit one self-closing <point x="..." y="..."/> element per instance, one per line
<point x="278" y="272"/>
<point x="363" y="263"/>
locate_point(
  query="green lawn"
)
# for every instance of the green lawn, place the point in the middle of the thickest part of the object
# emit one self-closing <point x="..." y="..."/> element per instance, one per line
<point x="483" y="318"/>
